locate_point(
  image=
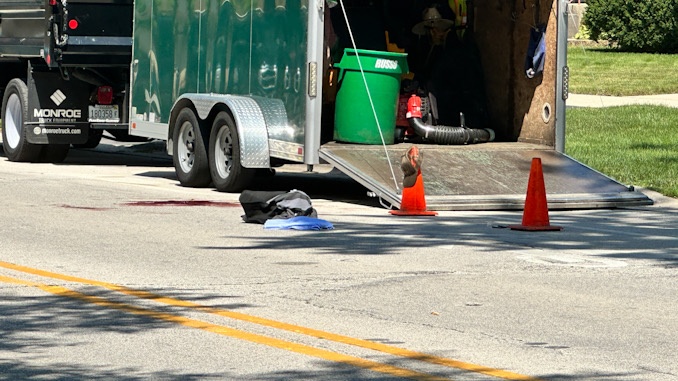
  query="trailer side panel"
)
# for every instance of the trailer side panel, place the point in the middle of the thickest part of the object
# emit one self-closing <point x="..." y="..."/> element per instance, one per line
<point x="253" y="48"/>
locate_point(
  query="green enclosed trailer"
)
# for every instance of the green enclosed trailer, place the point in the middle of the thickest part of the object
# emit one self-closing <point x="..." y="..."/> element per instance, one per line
<point x="238" y="85"/>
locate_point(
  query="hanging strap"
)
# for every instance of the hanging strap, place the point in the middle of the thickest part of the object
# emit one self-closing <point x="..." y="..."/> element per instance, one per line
<point x="537" y="13"/>
<point x="461" y="17"/>
<point x="369" y="96"/>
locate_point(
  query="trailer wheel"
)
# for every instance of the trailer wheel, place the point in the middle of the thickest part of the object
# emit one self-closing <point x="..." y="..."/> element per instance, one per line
<point x="228" y="175"/>
<point x="190" y="155"/>
<point x="14" y="115"/>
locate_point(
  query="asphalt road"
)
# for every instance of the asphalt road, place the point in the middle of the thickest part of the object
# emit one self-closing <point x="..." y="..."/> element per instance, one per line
<point x="97" y="284"/>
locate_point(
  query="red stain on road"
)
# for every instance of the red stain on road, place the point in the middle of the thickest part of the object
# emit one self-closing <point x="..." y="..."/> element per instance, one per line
<point x="83" y="207"/>
<point x="219" y="204"/>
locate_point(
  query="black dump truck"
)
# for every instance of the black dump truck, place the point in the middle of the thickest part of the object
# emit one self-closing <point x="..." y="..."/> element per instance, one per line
<point x="64" y="74"/>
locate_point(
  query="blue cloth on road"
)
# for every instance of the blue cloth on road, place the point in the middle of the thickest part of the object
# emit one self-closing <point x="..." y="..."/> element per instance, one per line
<point x="298" y="223"/>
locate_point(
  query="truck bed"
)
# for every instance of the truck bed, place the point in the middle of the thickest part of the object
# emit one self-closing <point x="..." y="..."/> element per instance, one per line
<point x="21" y="28"/>
<point x="103" y="36"/>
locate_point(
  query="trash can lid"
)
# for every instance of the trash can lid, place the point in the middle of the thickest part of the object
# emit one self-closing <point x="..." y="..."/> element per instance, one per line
<point x="374" y="61"/>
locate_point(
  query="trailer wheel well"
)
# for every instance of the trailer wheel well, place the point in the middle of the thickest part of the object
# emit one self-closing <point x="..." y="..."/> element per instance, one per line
<point x="219" y="107"/>
<point x="180" y="105"/>
<point x="205" y="124"/>
<point x="11" y="70"/>
<point x="207" y="108"/>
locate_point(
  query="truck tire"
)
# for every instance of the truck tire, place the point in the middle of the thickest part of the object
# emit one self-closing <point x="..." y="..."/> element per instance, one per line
<point x="228" y="175"/>
<point x="14" y="116"/>
<point x="54" y="153"/>
<point x="93" y="140"/>
<point x="189" y="151"/>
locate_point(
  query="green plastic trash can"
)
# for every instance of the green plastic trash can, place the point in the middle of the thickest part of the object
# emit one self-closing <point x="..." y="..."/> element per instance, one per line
<point x="353" y="118"/>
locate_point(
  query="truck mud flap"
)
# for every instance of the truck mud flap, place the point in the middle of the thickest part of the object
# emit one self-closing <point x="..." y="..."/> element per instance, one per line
<point x="57" y="109"/>
<point x="490" y="176"/>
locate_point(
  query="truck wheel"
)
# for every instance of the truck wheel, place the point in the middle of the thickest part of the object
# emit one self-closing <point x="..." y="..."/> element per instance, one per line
<point x="190" y="155"/>
<point x="54" y="153"/>
<point x="228" y="175"/>
<point x="92" y="141"/>
<point x="14" y="115"/>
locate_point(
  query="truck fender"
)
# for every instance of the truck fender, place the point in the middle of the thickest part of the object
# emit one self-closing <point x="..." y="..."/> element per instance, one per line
<point x="249" y="118"/>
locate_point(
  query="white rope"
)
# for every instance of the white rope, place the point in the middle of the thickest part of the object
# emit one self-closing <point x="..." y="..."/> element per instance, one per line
<point x="369" y="96"/>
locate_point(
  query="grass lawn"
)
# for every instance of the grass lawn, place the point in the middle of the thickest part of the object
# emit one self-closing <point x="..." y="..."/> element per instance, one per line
<point x="636" y="145"/>
<point x="603" y="71"/>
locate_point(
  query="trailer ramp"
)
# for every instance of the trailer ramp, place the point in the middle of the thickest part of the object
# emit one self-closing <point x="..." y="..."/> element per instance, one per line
<point x="490" y="176"/>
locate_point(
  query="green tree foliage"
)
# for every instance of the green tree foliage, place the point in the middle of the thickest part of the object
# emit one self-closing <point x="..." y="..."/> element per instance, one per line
<point x="635" y="25"/>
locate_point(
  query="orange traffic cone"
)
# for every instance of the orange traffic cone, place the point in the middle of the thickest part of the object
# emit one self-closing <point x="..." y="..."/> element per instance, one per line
<point x="413" y="202"/>
<point x="535" y="213"/>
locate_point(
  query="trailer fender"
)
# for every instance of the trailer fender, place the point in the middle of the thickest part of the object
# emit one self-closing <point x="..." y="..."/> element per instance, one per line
<point x="250" y="119"/>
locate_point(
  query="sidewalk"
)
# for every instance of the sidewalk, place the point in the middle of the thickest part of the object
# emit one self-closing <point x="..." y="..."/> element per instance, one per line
<point x="582" y="100"/>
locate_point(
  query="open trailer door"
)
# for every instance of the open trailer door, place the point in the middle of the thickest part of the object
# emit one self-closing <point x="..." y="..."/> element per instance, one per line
<point x="525" y="108"/>
<point x="491" y="176"/>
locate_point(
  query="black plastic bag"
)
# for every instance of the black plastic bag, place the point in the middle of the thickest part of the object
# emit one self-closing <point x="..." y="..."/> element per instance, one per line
<point x="260" y="206"/>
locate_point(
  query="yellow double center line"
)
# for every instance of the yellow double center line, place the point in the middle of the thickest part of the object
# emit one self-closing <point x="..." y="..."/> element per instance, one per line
<point x="294" y="347"/>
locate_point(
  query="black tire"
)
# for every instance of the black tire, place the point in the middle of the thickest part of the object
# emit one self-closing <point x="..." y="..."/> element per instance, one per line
<point x="92" y="141"/>
<point x="189" y="151"/>
<point x="228" y="175"/>
<point x="14" y="116"/>
<point x="54" y="153"/>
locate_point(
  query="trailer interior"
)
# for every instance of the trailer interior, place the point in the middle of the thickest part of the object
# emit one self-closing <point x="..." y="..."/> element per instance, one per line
<point x="489" y="78"/>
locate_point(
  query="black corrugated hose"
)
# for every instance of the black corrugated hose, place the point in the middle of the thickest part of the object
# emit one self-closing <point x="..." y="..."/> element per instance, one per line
<point x="450" y="135"/>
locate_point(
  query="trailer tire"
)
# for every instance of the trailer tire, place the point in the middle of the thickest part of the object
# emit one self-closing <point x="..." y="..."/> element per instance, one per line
<point x="189" y="154"/>
<point x="14" y="116"/>
<point x="228" y="174"/>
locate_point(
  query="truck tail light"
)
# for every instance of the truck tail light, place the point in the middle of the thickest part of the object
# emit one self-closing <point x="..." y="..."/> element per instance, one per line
<point x="73" y="24"/>
<point x="105" y="95"/>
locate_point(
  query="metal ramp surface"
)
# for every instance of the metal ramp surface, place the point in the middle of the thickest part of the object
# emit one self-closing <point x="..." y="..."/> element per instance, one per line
<point x="490" y="176"/>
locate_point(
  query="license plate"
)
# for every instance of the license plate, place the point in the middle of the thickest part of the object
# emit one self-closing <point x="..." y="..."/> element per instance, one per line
<point x="104" y="113"/>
